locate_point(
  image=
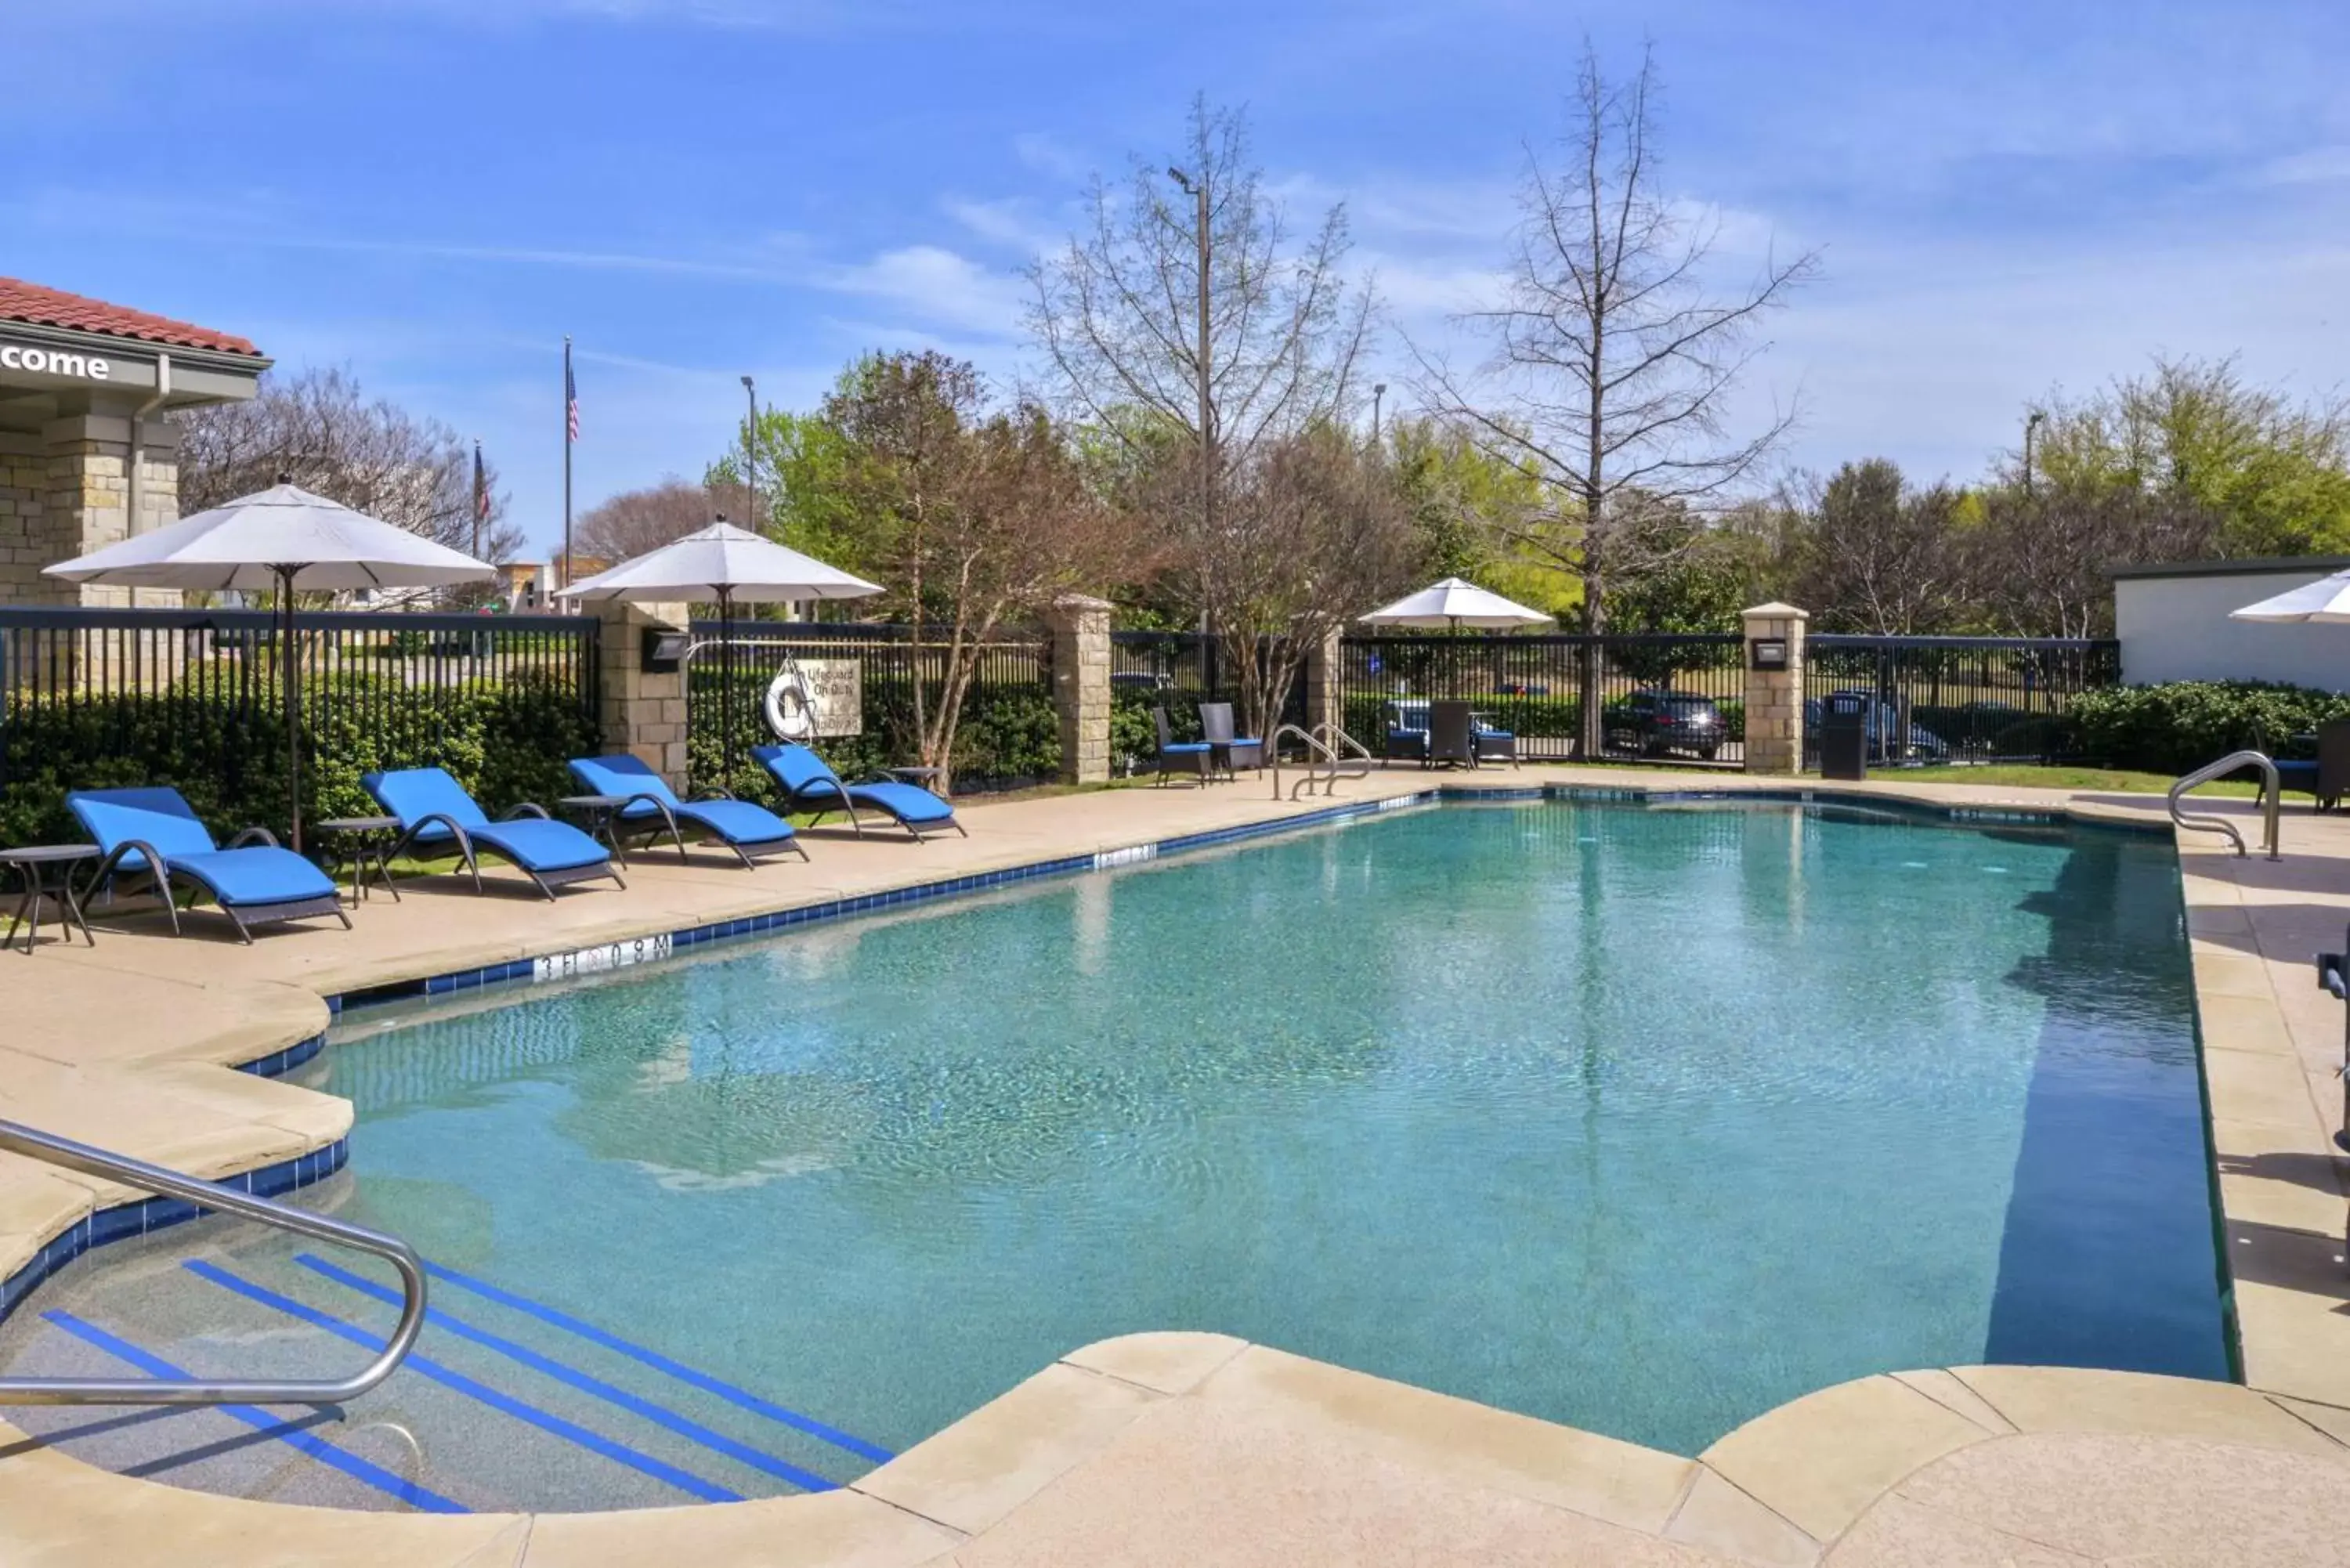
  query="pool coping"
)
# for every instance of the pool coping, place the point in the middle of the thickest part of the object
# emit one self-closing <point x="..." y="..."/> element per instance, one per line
<point x="1806" y="1442"/>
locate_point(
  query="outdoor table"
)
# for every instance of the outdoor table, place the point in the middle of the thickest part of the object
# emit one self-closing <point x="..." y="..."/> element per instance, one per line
<point x="359" y="841"/>
<point x="912" y="775"/>
<point x="600" y="813"/>
<point x="46" y="872"/>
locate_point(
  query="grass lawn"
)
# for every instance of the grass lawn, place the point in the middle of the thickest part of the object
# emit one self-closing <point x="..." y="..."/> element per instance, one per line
<point x="2107" y="781"/>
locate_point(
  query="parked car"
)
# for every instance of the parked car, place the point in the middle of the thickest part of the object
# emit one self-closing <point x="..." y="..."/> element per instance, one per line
<point x="1655" y="722"/>
<point x="1883" y="723"/>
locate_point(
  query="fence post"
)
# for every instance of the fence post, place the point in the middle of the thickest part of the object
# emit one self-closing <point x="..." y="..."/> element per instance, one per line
<point x="644" y="715"/>
<point x="1323" y="701"/>
<point x="1774" y="696"/>
<point x="1081" y="698"/>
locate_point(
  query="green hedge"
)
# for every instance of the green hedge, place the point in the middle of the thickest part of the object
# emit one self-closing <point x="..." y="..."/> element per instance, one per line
<point x="1008" y="735"/>
<point x="503" y="740"/>
<point x="2173" y="728"/>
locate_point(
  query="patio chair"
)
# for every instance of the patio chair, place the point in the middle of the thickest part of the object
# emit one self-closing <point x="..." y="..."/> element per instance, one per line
<point x="652" y="808"/>
<point x="155" y="831"/>
<point x="1236" y="752"/>
<point x="1451" y="736"/>
<point x="437" y="817"/>
<point x="1406" y="732"/>
<point x="2333" y="763"/>
<point x="807" y="783"/>
<point x="1187" y="756"/>
<point x="1493" y="745"/>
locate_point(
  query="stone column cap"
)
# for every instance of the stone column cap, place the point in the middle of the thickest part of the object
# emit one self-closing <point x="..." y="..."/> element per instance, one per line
<point x="1081" y="602"/>
<point x="1775" y="611"/>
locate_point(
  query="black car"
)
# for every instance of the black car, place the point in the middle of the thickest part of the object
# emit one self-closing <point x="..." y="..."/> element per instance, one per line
<point x="1655" y="723"/>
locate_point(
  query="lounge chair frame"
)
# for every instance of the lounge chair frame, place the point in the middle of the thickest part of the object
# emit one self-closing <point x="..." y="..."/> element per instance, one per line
<point x="462" y="843"/>
<point x="161" y="873"/>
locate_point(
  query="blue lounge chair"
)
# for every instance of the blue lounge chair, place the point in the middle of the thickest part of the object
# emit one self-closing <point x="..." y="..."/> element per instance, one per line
<point x="746" y="827"/>
<point x="154" y="831"/>
<point x="437" y="816"/>
<point x="807" y="783"/>
<point x="1187" y="756"/>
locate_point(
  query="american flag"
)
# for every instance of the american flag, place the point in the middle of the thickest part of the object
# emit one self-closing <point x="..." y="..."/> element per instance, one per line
<point x="570" y="401"/>
<point x="481" y="486"/>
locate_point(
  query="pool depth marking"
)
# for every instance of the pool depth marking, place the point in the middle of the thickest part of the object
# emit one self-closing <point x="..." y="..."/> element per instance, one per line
<point x="261" y="1422"/>
<point x="586" y="1382"/>
<point x="521" y="1410"/>
<point x="662" y="1363"/>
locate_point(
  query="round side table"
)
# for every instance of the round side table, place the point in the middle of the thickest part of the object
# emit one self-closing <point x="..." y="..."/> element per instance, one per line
<point x="46" y="873"/>
<point x="358" y="841"/>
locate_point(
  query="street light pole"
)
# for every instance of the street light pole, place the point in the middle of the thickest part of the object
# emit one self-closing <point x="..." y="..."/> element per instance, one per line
<point x="1199" y="193"/>
<point x="2031" y="423"/>
<point x="751" y="457"/>
<point x="1379" y="390"/>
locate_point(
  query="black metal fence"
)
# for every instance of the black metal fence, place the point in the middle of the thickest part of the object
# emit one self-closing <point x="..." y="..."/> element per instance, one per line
<point x="1931" y="700"/>
<point x="1532" y="686"/>
<point x="93" y="697"/>
<point x="1006" y="735"/>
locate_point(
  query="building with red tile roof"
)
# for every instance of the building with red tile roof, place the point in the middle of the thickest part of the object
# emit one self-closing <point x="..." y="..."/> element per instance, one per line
<point x="36" y="305"/>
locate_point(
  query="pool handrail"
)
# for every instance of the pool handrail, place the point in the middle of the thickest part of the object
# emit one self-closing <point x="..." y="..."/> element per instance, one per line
<point x="33" y="1144"/>
<point x="2201" y="821"/>
<point x="1325" y="761"/>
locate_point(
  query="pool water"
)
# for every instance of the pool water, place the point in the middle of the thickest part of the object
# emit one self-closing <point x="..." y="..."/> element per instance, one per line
<point x="1642" y="1119"/>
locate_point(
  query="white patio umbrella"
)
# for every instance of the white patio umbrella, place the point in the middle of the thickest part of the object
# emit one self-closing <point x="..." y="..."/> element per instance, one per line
<point x="727" y="563"/>
<point x="2326" y="599"/>
<point x="1453" y="604"/>
<point x="286" y="540"/>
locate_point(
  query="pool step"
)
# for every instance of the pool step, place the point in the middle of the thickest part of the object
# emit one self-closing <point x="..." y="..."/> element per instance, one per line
<point x="505" y="1403"/>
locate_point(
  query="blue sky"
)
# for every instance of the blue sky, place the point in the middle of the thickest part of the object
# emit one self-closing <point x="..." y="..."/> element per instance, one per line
<point x="2009" y="196"/>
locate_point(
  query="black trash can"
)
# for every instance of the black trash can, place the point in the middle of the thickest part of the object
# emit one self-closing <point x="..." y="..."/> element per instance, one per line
<point x="1844" y="745"/>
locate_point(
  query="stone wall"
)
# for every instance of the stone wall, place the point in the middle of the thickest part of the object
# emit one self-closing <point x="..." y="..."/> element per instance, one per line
<point x="65" y="491"/>
<point x="1774" y="697"/>
<point x="1081" y="688"/>
<point x="644" y="715"/>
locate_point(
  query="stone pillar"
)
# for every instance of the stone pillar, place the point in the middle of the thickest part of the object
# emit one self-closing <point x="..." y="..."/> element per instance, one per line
<point x="644" y="715"/>
<point x="1774" y="696"/>
<point x="23" y="525"/>
<point x="1323" y="701"/>
<point x="1080" y="627"/>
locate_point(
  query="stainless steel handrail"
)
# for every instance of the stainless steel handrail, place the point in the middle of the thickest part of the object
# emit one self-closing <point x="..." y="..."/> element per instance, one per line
<point x="2270" y="802"/>
<point x="33" y="1144"/>
<point x="1334" y="737"/>
<point x="1324" y="757"/>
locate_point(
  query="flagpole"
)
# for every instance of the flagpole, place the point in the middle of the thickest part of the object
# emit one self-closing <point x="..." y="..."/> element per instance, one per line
<point x="480" y="496"/>
<point x="567" y="461"/>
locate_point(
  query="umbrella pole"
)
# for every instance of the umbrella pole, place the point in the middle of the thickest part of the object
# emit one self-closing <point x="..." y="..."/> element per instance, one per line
<point x="289" y="658"/>
<point x="726" y="689"/>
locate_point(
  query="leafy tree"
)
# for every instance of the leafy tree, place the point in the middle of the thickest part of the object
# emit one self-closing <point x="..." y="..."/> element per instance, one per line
<point x="2191" y="435"/>
<point x="969" y="515"/>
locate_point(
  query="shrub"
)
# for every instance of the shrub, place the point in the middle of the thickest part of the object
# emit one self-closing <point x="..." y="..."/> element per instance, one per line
<point x="503" y="740"/>
<point x="2173" y="728"/>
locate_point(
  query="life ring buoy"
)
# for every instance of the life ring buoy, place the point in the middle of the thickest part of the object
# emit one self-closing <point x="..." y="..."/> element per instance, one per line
<point x="789" y="706"/>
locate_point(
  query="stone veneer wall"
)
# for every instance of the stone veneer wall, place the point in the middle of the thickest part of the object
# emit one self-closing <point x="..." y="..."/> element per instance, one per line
<point x="1081" y="688"/>
<point x="65" y="491"/>
<point x="644" y="715"/>
<point x="1774" y="697"/>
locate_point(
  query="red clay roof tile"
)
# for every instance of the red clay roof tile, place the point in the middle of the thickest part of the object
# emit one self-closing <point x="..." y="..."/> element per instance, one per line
<point x="29" y="302"/>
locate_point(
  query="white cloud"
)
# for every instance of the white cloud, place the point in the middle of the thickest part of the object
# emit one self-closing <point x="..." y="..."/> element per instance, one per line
<point x="938" y="286"/>
<point x="2316" y="166"/>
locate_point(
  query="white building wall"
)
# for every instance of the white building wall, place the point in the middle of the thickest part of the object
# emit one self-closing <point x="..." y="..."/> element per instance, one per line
<point x="2177" y="629"/>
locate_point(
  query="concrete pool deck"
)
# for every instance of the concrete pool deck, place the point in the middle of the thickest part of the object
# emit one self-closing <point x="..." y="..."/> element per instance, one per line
<point x="1193" y="1447"/>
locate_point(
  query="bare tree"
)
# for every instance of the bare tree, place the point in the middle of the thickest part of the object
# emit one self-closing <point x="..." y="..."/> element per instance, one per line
<point x="635" y="521"/>
<point x="2044" y="559"/>
<point x="1612" y="359"/>
<point x="320" y="431"/>
<point x="1314" y="530"/>
<point x="1207" y="352"/>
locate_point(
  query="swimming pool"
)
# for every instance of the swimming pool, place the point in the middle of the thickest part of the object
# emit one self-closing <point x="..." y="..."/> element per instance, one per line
<point x="1641" y="1118"/>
